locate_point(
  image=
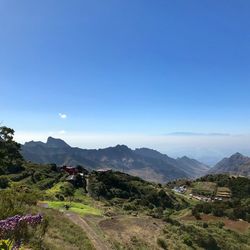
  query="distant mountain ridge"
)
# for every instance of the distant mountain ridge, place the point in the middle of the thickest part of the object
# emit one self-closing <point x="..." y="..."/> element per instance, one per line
<point x="143" y="162"/>
<point x="237" y="164"/>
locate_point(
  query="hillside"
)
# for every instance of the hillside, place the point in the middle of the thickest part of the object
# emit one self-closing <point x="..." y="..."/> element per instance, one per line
<point x="236" y="164"/>
<point x="114" y="210"/>
<point x="146" y="163"/>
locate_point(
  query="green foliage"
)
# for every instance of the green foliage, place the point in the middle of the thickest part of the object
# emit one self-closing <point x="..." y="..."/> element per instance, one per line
<point x="131" y="192"/>
<point x="4" y="182"/>
<point x="204" y="188"/>
<point x="76" y="207"/>
<point x="238" y="207"/>
<point x="161" y="243"/>
<point x="235" y="209"/>
<point x="16" y="200"/>
<point x="67" y="189"/>
<point x="240" y="186"/>
<point x="195" y="213"/>
<point x="213" y="237"/>
<point x="187" y="240"/>
<point x="62" y="233"/>
<point x="10" y="156"/>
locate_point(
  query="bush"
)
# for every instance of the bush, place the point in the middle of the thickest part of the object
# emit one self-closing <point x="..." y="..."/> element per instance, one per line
<point x="220" y="224"/>
<point x="187" y="240"/>
<point x="161" y="243"/>
<point x="207" y="242"/>
<point x="67" y="189"/>
<point x="4" y="182"/>
<point x="205" y="225"/>
<point x="196" y="213"/>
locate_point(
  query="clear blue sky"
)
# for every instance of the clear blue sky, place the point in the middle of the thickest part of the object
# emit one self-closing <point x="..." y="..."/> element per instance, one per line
<point x="134" y="66"/>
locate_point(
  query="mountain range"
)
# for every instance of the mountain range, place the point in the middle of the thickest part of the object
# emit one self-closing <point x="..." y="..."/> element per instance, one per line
<point x="143" y="162"/>
<point x="237" y="164"/>
<point x="146" y="163"/>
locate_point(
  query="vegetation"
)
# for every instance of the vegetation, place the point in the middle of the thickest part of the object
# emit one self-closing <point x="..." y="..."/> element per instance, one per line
<point x="240" y="186"/>
<point x="238" y="207"/>
<point x="132" y="193"/>
<point x="23" y="185"/>
<point x="76" y="207"/>
<point x="10" y="157"/>
<point x="204" y="188"/>
<point x="62" y="233"/>
<point x="196" y="236"/>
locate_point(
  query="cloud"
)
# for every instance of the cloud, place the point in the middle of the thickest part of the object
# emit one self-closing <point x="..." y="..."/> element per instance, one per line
<point x="197" y="134"/>
<point x="62" y="132"/>
<point x="63" y="116"/>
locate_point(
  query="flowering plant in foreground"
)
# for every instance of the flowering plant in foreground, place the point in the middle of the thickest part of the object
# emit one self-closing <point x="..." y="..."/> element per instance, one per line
<point x="10" y="226"/>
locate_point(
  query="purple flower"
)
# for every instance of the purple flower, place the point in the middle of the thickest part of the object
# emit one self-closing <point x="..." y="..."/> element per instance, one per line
<point x="11" y="224"/>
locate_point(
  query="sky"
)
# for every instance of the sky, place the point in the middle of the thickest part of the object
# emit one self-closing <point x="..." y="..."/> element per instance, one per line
<point x="170" y="75"/>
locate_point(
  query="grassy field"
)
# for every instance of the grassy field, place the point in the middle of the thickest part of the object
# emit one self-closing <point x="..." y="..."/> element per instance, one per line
<point x="63" y="234"/>
<point x="206" y="188"/>
<point x="75" y="207"/>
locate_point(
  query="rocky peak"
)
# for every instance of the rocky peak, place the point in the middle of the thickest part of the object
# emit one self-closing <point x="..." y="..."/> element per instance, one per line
<point x="56" y="143"/>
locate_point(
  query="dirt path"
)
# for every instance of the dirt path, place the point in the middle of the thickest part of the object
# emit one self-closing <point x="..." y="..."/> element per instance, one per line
<point x="98" y="243"/>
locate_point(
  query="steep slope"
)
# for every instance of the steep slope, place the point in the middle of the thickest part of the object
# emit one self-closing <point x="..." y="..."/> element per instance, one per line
<point x="237" y="164"/>
<point x="192" y="167"/>
<point x="146" y="163"/>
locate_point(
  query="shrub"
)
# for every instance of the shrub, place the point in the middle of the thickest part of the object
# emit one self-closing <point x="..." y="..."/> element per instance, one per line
<point x="187" y="240"/>
<point x="220" y="224"/>
<point x="4" y="182"/>
<point x="205" y="225"/>
<point x="161" y="243"/>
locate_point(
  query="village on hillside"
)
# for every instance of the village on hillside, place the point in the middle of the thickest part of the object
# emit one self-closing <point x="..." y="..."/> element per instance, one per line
<point x="204" y="191"/>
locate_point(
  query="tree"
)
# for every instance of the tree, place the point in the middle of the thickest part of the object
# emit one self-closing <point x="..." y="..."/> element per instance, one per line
<point x="4" y="182"/>
<point x="10" y="156"/>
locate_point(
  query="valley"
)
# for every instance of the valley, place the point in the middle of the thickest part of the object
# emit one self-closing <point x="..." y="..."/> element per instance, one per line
<point x="84" y="208"/>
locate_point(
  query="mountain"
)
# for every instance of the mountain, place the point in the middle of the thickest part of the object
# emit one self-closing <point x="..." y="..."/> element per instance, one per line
<point x="237" y="164"/>
<point x="192" y="167"/>
<point x="146" y="163"/>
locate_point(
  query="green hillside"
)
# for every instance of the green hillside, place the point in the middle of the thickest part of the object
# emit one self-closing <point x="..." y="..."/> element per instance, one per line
<point x="114" y="210"/>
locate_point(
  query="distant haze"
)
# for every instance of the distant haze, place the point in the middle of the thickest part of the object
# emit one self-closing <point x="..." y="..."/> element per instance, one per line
<point x="207" y="148"/>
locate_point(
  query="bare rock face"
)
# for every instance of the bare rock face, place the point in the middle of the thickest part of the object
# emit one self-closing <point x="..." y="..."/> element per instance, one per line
<point x="237" y="164"/>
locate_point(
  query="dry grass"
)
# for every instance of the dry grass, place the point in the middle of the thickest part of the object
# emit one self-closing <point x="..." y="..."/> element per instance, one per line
<point x="238" y="226"/>
<point x="133" y="232"/>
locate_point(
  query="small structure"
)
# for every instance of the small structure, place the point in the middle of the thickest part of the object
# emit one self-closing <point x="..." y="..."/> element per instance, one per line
<point x="71" y="178"/>
<point x="181" y="189"/>
<point x="101" y="170"/>
<point x="70" y="170"/>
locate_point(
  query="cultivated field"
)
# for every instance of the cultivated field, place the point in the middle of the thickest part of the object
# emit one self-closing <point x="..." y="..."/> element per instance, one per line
<point x="204" y="188"/>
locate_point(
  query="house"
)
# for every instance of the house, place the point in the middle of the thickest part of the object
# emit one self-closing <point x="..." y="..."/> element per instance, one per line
<point x="70" y="170"/>
<point x="181" y="189"/>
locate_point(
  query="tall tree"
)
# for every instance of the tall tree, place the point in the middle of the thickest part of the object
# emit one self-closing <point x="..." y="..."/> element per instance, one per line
<point x="10" y="156"/>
